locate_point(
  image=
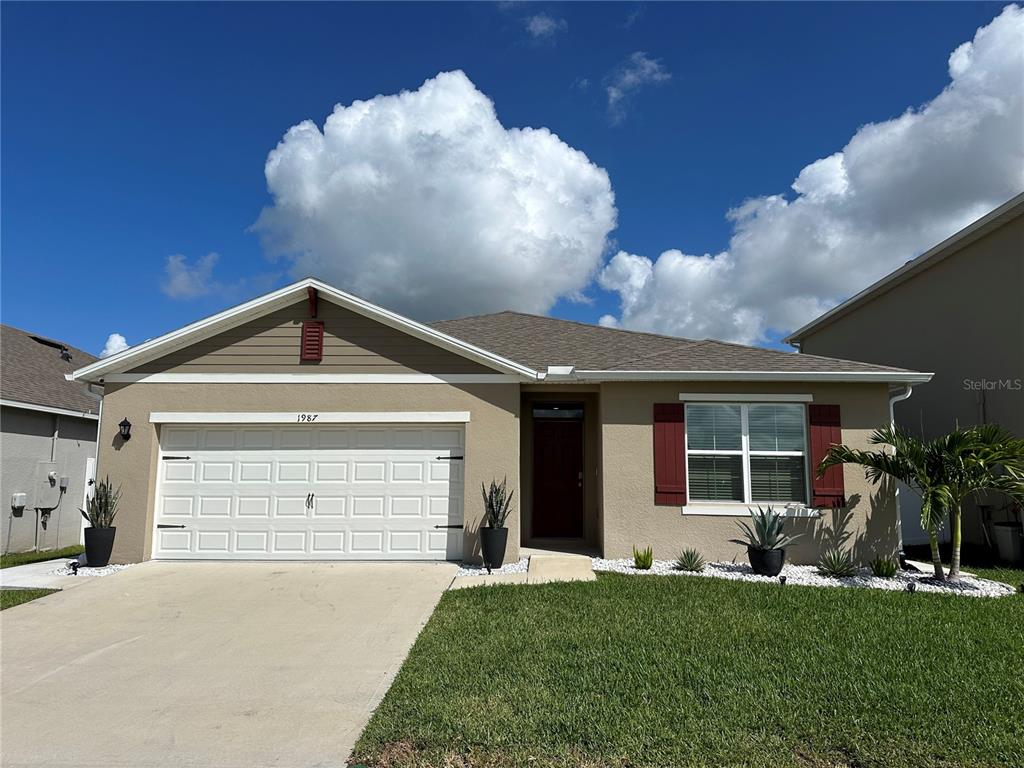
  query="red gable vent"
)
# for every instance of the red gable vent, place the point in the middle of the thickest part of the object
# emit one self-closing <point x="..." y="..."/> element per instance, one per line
<point x="312" y="346"/>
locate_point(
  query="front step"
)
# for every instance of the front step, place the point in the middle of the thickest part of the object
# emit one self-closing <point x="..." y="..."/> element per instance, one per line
<point x="544" y="569"/>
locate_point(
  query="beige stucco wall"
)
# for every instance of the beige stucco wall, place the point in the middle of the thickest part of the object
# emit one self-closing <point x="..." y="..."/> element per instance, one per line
<point x="962" y="319"/>
<point x="492" y="437"/>
<point x="631" y="517"/>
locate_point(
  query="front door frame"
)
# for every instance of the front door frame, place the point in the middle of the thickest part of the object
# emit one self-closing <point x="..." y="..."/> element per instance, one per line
<point x="572" y="485"/>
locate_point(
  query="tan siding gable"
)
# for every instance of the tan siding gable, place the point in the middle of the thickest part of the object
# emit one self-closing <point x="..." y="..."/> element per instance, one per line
<point x="352" y="344"/>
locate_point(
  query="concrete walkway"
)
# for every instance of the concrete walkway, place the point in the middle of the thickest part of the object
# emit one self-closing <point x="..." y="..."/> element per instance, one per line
<point x="208" y="664"/>
<point x="38" y="575"/>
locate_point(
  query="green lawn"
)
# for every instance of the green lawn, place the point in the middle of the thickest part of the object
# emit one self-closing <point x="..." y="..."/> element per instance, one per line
<point x="653" y="671"/>
<point x="12" y="597"/>
<point x="12" y="559"/>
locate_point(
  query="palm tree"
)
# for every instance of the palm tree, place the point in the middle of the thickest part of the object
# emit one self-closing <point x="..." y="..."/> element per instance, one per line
<point x="944" y="472"/>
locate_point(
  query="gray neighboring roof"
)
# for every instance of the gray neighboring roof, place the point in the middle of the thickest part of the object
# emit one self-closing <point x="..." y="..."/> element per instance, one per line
<point x="988" y="223"/>
<point x="33" y="372"/>
<point x="543" y="341"/>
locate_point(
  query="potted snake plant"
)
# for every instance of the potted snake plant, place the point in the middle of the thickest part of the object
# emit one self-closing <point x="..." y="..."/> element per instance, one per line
<point x="766" y="544"/>
<point x="100" y="511"/>
<point x="493" y="533"/>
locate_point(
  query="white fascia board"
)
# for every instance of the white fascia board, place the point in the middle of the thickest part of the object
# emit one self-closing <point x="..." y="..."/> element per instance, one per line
<point x="713" y="397"/>
<point x="49" y="409"/>
<point x="312" y="378"/>
<point x="907" y="377"/>
<point x="310" y="418"/>
<point x="262" y="305"/>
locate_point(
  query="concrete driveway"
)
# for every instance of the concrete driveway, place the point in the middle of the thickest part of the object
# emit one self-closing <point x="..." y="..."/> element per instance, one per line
<point x="208" y="664"/>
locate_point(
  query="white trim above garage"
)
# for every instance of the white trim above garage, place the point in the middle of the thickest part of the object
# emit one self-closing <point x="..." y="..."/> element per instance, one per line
<point x="311" y="378"/>
<point x="310" y="417"/>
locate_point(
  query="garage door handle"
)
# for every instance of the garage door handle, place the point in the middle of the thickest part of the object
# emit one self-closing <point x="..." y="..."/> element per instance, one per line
<point x="449" y="526"/>
<point x="162" y="525"/>
<point x="449" y="458"/>
<point x="176" y="458"/>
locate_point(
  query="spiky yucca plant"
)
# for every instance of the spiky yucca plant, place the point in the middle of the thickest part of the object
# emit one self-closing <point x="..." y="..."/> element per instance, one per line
<point x="884" y="567"/>
<point x="837" y="563"/>
<point x="690" y="560"/>
<point x="643" y="559"/>
<point x="765" y="531"/>
<point x="102" y="507"/>
<point x="497" y="504"/>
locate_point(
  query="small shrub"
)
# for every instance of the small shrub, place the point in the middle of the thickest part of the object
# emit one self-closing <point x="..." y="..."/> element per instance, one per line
<point x="643" y="559"/>
<point x="837" y="563"/>
<point x="884" y="567"/>
<point x="690" y="560"/>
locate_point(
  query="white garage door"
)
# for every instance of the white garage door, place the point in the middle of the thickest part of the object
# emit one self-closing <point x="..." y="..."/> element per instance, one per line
<point x="325" y="492"/>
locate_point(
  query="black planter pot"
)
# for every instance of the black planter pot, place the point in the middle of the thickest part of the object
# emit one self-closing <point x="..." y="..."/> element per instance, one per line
<point x="98" y="544"/>
<point x="766" y="562"/>
<point x="492" y="546"/>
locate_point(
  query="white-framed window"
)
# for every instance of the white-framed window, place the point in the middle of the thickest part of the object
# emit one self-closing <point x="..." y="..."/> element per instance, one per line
<point x="746" y="452"/>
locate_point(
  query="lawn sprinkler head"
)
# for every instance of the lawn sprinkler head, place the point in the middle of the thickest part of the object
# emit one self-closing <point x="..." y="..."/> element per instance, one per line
<point x="73" y="565"/>
<point x="912" y="586"/>
<point x="782" y="580"/>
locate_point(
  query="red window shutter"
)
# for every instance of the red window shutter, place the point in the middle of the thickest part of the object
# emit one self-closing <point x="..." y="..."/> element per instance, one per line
<point x="825" y="430"/>
<point x="669" y="454"/>
<point x="312" y="344"/>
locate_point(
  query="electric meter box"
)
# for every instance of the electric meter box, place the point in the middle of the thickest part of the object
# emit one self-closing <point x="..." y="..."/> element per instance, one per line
<point x="46" y="485"/>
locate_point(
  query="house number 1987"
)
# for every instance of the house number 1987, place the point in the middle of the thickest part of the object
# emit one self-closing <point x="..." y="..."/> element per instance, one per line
<point x="307" y="417"/>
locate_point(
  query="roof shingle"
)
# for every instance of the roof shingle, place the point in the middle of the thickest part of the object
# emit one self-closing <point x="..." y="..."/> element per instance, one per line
<point x="32" y="372"/>
<point x="539" y="341"/>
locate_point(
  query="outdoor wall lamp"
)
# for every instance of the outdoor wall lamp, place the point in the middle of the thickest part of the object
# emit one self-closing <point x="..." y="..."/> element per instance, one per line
<point x="125" y="428"/>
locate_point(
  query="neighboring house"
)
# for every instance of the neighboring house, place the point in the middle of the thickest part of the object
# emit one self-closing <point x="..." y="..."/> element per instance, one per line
<point x="956" y="310"/>
<point x="311" y="424"/>
<point x="47" y="441"/>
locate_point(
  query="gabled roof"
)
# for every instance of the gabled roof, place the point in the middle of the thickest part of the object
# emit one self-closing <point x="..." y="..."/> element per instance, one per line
<point x="33" y="370"/>
<point x="278" y="299"/>
<point x="528" y="345"/>
<point x="988" y="223"/>
<point x="612" y="353"/>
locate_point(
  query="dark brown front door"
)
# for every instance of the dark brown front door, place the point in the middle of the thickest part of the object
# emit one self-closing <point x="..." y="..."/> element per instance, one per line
<point x="558" y="478"/>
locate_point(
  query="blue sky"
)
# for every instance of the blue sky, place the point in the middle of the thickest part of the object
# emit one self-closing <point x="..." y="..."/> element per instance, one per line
<point x="132" y="133"/>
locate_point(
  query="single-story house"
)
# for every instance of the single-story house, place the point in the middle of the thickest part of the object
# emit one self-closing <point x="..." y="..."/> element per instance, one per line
<point x="47" y="440"/>
<point x="311" y="424"/>
<point x="955" y="310"/>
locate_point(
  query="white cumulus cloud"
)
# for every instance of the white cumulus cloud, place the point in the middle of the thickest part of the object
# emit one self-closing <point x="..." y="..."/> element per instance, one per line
<point x="423" y="202"/>
<point x="897" y="188"/>
<point x="183" y="280"/>
<point x="630" y="76"/>
<point x="115" y="343"/>
<point x="543" y="26"/>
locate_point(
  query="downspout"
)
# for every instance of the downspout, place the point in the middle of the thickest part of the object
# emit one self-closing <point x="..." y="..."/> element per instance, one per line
<point x="905" y="394"/>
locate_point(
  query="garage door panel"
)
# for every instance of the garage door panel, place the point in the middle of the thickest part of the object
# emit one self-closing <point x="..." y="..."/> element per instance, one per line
<point x="293" y="472"/>
<point x="323" y="492"/>
<point x="254" y="471"/>
<point x="213" y="506"/>
<point x="177" y="506"/>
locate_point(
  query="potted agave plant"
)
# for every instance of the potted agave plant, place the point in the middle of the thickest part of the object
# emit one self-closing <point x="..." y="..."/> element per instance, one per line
<point x="765" y="541"/>
<point x="493" y="533"/>
<point x="100" y="511"/>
